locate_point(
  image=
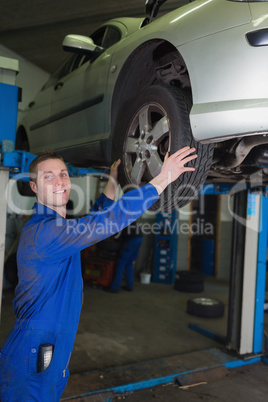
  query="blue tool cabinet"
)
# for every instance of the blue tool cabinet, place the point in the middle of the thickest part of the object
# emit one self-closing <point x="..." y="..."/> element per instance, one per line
<point x="165" y="247"/>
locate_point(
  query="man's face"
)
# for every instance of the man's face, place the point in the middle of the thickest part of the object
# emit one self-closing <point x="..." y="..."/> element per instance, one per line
<point x="52" y="185"/>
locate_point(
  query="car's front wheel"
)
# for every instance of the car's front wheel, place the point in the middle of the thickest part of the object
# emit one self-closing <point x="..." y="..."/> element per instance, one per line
<point x="156" y="122"/>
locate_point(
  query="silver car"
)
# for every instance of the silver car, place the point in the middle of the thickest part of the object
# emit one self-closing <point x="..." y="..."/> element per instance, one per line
<point x="139" y="87"/>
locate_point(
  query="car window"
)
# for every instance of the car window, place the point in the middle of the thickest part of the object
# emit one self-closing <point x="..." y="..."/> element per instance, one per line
<point x="63" y="70"/>
<point x="98" y="36"/>
<point x="112" y="35"/>
<point x="104" y="37"/>
<point x="79" y="61"/>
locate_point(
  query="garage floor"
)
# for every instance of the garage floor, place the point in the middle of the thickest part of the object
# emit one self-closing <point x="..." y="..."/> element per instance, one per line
<point x="140" y="330"/>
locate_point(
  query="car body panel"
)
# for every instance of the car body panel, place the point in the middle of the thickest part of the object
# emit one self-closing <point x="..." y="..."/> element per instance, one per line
<point x="85" y="86"/>
<point x="202" y="18"/>
<point x="37" y="111"/>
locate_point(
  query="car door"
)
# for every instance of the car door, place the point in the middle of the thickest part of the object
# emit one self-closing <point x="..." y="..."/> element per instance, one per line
<point x="38" y="113"/>
<point x="77" y="113"/>
<point x="37" y="119"/>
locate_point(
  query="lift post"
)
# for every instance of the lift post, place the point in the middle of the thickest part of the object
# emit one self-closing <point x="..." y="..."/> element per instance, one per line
<point x="8" y="116"/>
<point x="249" y="295"/>
<point x="248" y="274"/>
<point x="248" y="268"/>
<point x="261" y="277"/>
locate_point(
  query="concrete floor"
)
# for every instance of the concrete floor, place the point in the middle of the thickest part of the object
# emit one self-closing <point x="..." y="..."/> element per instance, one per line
<point x="247" y="384"/>
<point x="149" y="323"/>
<point x="125" y="329"/>
<point x="241" y="384"/>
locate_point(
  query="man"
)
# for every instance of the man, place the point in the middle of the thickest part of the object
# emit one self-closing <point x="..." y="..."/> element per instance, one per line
<point x="131" y="239"/>
<point x="35" y="356"/>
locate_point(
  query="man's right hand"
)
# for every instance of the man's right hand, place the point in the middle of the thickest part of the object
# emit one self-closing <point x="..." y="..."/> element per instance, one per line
<point x="173" y="167"/>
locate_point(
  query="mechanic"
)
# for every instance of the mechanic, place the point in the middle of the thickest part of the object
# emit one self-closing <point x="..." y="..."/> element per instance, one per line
<point x="35" y="356"/>
<point x="131" y="239"/>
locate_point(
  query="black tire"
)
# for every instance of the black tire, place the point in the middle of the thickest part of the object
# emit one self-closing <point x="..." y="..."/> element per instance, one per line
<point x="187" y="281"/>
<point x="157" y="120"/>
<point x="205" y="307"/>
<point x="189" y="277"/>
<point x="189" y="287"/>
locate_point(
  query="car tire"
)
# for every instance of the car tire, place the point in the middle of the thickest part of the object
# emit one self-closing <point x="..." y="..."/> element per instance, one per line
<point x="191" y="282"/>
<point x="189" y="277"/>
<point x="165" y="110"/>
<point x="205" y="307"/>
<point x="189" y="287"/>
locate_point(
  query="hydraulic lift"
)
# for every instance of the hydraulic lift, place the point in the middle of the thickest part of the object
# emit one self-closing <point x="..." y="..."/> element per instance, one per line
<point x="245" y="334"/>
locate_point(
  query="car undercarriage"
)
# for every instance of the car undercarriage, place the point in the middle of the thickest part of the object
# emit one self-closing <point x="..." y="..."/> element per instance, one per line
<point x="240" y="159"/>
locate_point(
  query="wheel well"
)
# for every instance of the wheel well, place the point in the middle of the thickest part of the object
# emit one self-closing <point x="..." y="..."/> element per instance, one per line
<point x="154" y="61"/>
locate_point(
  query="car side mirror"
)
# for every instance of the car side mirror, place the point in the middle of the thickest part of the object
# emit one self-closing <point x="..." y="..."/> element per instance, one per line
<point x="80" y="44"/>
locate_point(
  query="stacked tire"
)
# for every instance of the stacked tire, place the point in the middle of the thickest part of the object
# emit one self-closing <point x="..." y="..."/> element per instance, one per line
<point x="191" y="282"/>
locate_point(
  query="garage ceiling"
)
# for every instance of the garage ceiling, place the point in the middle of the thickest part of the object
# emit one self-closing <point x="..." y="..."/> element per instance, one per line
<point x="34" y="29"/>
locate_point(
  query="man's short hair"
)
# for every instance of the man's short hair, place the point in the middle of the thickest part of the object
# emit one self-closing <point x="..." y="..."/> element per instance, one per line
<point x="44" y="156"/>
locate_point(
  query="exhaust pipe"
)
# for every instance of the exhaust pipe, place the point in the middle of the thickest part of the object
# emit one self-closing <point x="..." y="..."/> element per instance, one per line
<point x="241" y="151"/>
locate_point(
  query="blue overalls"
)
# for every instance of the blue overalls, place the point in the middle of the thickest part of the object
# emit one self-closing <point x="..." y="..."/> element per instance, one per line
<point x="48" y="297"/>
<point x="131" y="242"/>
